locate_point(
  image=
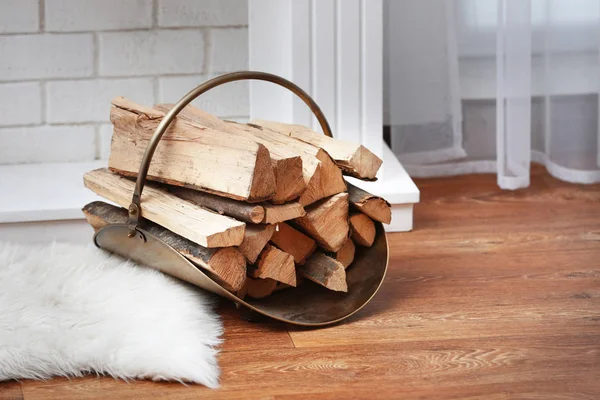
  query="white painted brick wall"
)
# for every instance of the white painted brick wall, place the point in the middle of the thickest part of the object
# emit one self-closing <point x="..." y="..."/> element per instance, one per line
<point x="148" y="53"/>
<point x="20" y="103"/>
<point x="18" y="16"/>
<point x="228" y="100"/>
<point x="89" y="100"/>
<point x="47" y="144"/>
<point x="104" y="137"/>
<point x="45" y="56"/>
<point x="61" y="61"/>
<point x="202" y="13"/>
<point x="90" y="15"/>
<point x="229" y="49"/>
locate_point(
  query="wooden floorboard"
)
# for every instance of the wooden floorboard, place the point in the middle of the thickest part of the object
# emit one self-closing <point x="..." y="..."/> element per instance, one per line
<point x="494" y="295"/>
<point x="11" y="391"/>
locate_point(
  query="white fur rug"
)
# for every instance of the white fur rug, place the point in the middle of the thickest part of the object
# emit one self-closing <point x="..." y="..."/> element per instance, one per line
<point x="70" y="310"/>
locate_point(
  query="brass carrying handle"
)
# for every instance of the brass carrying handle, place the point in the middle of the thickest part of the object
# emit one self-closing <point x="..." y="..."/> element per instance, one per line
<point x="135" y="207"/>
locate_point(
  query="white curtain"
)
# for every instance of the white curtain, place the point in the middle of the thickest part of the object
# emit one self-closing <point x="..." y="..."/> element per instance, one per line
<point x="493" y="85"/>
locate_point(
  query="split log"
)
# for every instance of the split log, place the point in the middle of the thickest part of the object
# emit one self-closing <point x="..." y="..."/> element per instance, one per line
<point x="256" y="238"/>
<point x="275" y="264"/>
<point x="323" y="178"/>
<point x="226" y="265"/>
<point x="258" y="288"/>
<point x="327" y="221"/>
<point x="287" y="165"/>
<point x="294" y="242"/>
<point x="363" y="229"/>
<point x="325" y="271"/>
<point x="246" y="212"/>
<point x="190" y="156"/>
<point x="275" y="213"/>
<point x="345" y="255"/>
<point x="195" y="223"/>
<point x="369" y="204"/>
<point x="353" y="158"/>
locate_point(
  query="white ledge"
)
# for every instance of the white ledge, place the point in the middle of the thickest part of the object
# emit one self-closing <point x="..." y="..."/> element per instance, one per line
<point x="393" y="182"/>
<point x="44" y="192"/>
<point x="55" y="192"/>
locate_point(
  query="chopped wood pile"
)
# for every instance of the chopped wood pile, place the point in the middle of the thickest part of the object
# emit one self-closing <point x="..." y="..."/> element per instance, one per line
<point x="258" y="207"/>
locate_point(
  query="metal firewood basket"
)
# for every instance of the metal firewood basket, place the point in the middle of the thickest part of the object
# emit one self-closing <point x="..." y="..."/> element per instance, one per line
<point x="308" y="304"/>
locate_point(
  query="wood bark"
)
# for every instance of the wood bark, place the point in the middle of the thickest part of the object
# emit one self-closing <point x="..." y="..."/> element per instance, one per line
<point x="226" y="265"/>
<point x="325" y="271"/>
<point x="363" y="229"/>
<point x="353" y="158"/>
<point x="253" y="213"/>
<point x="189" y="155"/>
<point x="345" y="255"/>
<point x="327" y="221"/>
<point x="369" y="204"/>
<point x="274" y="264"/>
<point x="287" y="165"/>
<point x="256" y="238"/>
<point x="294" y="242"/>
<point x="195" y="223"/>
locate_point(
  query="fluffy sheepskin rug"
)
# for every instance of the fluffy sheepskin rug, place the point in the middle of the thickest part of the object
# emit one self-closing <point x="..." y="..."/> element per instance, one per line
<point x="70" y="310"/>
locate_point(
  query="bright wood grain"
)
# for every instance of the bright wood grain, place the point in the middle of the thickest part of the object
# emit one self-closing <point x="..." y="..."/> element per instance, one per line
<point x="293" y="242"/>
<point x="353" y="158"/>
<point x="494" y="295"/>
<point x="193" y="222"/>
<point x="189" y="155"/>
<point x="274" y="264"/>
<point x="327" y="221"/>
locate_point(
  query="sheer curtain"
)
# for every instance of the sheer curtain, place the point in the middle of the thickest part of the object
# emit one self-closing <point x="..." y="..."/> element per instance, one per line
<point x="493" y="85"/>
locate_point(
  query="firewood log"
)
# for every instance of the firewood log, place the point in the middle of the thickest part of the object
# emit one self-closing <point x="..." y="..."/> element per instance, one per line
<point x="195" y="223"/>
<point x="353" y="158"/>
<point x="323" y="178"/>
<point x="265" y="213"/>
<point x="275" y="213"/>
<point x="345" y="255"/>
<point x="371" y="205"/>
<point x="190" y="156"/>
<point x="275" y="264"/>
<point x="287" y="165"/>
<point x="253" y="213"/>
<point x="324" y="271"/>
<point x="327" y="221"/>
<point x="225" y="265"/>
<point x="256" y="238"/>
<point x="258" y="288"/>
<point x="363" y="229"/>
<point x="294" y="242"/>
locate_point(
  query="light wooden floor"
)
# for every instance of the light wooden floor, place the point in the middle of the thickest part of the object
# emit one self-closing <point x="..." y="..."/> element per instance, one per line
<point x="495" y="294"/>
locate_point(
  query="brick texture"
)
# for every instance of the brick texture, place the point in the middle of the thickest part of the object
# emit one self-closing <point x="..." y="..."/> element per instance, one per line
<point x="88" y="15"/>
<point x="160" y="52"/>
<point x="228" y="50"/>
<point x="47" y="144"/>
<point x="20" y="104"/>
<point x="45" y="56"/>
<point x="62" y="61"/>
<point x="229" y="100"/>
<point x="105" y="132"/>
<point x="172" y="13"/>
<point x="19" y="16"/>
<point x="89" y="100"/>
